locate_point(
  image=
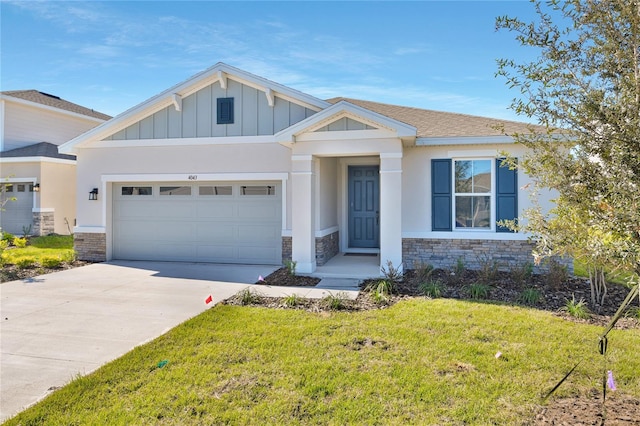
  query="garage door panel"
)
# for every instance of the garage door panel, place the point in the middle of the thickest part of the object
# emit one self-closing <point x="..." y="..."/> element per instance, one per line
<point x="257" y="234"/>
<point x="256" y="210"/>
<point x="201" y="228"/>
<point x="216" y="210"/>
<point x="219" y="231"/>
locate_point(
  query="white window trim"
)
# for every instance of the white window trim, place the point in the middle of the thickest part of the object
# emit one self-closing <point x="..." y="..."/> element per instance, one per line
<point x="492" y="196"/>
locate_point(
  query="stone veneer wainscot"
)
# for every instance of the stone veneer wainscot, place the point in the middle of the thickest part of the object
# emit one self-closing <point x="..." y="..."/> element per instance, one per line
<point x="91" y="247"/>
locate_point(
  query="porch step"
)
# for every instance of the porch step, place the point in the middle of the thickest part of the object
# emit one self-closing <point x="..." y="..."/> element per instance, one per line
<point x="339" y="284"/>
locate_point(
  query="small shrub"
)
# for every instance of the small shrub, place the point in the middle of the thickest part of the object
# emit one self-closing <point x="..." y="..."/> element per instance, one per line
<point x="379" y="297"/>
<point x="292" y="300"/>
<point x="8" y="237"/>
<point x="632" y="312"/>
<point x="291" y="266"/>
<point x="478" y="290"/>
<point x="50" y="262"/>
<point x="522" y="273"/>
<point x="3" y="245"/>
<point x="20" y="242"/>
<point x="25" y="262"/>
<point x="249" y="297"/>
<point x="489" y="269"/>
<point x="432" y="288"/>
<point x="529" y="296"/>
<point x="335" y="302"/>
<point x="391" y="273"/>
<point x="557" y="274"/>
<point x="423" y="271"/>
<point x="26" y="231"/>
<point x="459" y="267"/>
<point x="577" y="309"/>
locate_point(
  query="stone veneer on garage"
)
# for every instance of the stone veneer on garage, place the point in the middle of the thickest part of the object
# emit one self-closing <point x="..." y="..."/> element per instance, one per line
<point x="91" y="247"/>
<point x="43" y="223"/>
<point x="444" y="253"/>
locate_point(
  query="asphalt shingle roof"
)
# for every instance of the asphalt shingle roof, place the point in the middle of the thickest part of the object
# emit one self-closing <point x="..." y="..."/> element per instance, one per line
<point x="439" y="124"/>
<point x="55" y="102"/>
<point x="40" y="149"/>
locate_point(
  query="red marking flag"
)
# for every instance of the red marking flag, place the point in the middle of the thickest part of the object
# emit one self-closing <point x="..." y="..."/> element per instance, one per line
<point x="208" y="300"/>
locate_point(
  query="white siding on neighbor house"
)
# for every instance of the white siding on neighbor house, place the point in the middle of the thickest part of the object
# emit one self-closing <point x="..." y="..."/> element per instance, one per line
<point x="25" y="125"/>
<point x="198" y="116"/>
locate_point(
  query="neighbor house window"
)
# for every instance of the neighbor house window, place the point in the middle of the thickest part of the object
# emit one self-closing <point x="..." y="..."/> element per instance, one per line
<point x="225" y="110"/>
<point x="467" y="194"/>
<point x="472" y="196"/>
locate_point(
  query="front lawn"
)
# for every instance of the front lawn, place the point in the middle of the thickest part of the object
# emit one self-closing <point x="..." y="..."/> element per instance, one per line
<point x="40" y="255"/>
<point x="419" y="361"/>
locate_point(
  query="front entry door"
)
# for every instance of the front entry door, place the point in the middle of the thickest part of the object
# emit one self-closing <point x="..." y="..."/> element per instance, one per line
<point x="364" y="207"/>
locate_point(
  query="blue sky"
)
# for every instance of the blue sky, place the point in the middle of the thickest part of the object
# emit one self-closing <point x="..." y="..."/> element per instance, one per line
<point x="112" y="55"/>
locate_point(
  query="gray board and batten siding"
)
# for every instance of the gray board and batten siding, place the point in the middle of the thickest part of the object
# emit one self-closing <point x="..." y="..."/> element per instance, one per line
<point x="197" y="118"/>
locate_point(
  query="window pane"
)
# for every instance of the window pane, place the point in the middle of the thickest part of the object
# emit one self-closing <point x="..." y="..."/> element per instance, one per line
<point x="473" y="212"/>
<point x="215" y="190"/>
<point x="259" y="190"/>
<point x="21" y="188"/>
<point x="175" y="190"/>
<point x="136" y="190"/>
<point x="473" y="176"/>
<point x="8" y="188"/>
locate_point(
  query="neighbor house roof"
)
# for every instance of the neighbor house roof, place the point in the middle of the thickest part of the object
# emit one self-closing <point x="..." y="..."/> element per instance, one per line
<point x="54" y="101"/>
<point x="41" y="149"/>
<point x="439" y="124"/>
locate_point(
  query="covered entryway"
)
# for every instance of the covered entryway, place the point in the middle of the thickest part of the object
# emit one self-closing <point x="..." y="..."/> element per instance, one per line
<point x="219" y="222"/>
<point x="17" y="214"/>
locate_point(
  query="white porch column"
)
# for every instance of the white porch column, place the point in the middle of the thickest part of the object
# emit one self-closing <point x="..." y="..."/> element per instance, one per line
<point x="303" y="213"/>
<point x="391" y="209"/>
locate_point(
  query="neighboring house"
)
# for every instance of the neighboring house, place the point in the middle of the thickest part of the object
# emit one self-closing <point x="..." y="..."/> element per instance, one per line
<point x="42" y="181"/>
<point x="230" y="167"/>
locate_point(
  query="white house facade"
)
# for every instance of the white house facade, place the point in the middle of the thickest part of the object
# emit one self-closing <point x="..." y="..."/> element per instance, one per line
<point x="34" y="175"/>
<point x="230" y="167"/>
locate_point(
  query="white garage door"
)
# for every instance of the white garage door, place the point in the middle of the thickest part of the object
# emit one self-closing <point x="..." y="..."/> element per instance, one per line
<point x="17" y="217"/>
<point x="237" y="222"/>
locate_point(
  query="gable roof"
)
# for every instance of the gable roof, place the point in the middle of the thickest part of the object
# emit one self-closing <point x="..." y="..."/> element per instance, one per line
<point x="54" y="102"/>
<point x="40" y="149"/>
<point x="174" y="95"/>
<point x="439" y="124"/>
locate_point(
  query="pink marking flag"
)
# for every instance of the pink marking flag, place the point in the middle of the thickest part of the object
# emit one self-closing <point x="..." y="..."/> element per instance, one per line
<point x="260" y="278"/>
<point x="208" y="299"/>
<point x="610" y="382"/>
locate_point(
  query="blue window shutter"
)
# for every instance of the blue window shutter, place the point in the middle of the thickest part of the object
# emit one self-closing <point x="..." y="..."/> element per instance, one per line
<point x="506" y="194"/>
<point x="441" y="201"/>
<point x="225" y="110"/>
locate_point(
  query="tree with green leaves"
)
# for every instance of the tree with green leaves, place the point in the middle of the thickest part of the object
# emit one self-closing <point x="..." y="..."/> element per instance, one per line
<point x="584" y="87"/>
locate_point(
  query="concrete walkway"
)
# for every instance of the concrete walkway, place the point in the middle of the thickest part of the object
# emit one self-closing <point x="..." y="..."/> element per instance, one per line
<point x="59" y="325"/>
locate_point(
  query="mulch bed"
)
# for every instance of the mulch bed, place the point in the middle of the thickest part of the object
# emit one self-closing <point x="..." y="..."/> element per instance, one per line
<point x="13" y="273"/>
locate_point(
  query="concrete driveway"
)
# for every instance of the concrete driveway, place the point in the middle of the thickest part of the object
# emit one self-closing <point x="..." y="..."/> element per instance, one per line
<point x="57" y="326"/>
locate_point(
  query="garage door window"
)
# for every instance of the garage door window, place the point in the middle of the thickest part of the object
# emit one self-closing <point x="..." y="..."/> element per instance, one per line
<point x="137" y="190"/>
<point x="175" y="190"/>
<point x="259" y="190"/>
<point x="21" y="188"/>
<point x="216" y="190"/>
<point x="8" y="188"/>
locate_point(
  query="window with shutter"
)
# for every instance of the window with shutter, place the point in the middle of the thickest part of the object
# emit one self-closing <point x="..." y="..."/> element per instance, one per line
<point x="225" y="111"/>
<point x="462" y="192"/>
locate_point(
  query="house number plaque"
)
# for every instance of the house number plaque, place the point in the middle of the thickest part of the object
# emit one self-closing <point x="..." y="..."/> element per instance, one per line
<point x="193" y="177"/>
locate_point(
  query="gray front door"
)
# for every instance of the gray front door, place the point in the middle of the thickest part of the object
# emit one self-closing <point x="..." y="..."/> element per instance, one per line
<point x="364" y="207"/>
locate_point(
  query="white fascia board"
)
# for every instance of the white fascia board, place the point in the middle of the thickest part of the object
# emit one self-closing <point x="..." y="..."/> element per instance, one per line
<point x="464" y="140"/>
<point x="195" y="177"/>
<point x="17" y="160"/>
<point x="185" y="88"/>
<point x="19" y="180"/>
<point x="347" y="135"/>
<point x="346" y="109"/>
<point x="50" y="108"/>
<point x="228" y="140"/>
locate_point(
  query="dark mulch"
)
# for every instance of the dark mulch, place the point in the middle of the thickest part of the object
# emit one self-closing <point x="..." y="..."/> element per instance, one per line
<point x="13" y="273"/>
<point x="282" y="277"/>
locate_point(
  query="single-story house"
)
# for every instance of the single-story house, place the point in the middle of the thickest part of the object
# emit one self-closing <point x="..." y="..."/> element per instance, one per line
<point x="40" y="181"/>
<point x="231" y="167"/>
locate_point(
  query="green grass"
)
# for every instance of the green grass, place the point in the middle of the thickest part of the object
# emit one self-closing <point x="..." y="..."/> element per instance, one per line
<point x="417" y="362"/>
<point x="39" y="248"/>
<point x="581" y="270"/>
